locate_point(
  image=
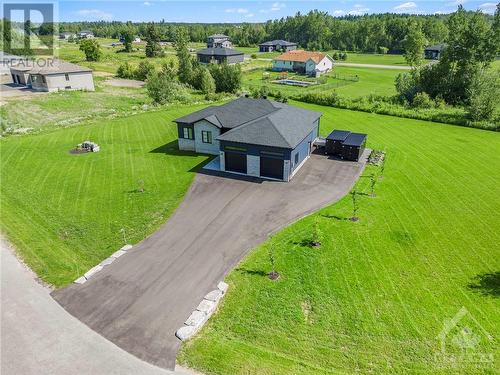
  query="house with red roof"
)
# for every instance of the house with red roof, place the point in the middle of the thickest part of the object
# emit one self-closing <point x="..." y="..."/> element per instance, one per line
<point x="305" y="62"/>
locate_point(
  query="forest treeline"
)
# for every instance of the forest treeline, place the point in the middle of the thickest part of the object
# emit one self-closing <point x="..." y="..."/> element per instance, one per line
<point x="315" y="30"/>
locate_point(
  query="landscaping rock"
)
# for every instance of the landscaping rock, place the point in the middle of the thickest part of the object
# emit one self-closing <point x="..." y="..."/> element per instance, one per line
<point x="80" y="280"/>
<point x="92" y="271"/>
<point x="185" y="332"/>
<point x="208" y="307"/>
<point x="214" y="296"/>
<point x="107" y="261"/>
<point x="222" y="286"/>
<point x="126" y="247"/>
<point x="196" y="319"/>
<point x="118" y="254"/>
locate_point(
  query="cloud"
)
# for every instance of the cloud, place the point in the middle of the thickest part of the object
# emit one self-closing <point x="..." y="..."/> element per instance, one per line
<point x="405" y="7"/>
<point x="147" y="3"/>
<point x="237" y="10"/>
<point x="274" y="7"/>
<point x="249" y="15"/>
<point x="338" y="13"/>
<point x="95" y="14"/>
<point x="456" y="3"/>
<point x="358" y="10"/>
<point x="488" y="8"/>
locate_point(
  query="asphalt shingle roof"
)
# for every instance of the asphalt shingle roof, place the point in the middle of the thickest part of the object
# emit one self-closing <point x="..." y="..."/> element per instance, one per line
<point x="54" y="66"/>
<point x="218" y="51"/>
<point x="278" y="41"/>
<point x="258" y="121"/>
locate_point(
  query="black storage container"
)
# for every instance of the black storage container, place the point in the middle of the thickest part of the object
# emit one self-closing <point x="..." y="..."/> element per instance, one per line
<point x="353" y="146"/>
<point x="333" y="144"/>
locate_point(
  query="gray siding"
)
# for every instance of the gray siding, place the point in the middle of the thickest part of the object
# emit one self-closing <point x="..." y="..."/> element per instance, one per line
<point x="206" y="148"/>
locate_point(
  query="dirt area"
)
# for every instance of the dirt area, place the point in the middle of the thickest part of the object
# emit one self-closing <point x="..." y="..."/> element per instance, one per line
<point x="120" y="82"/>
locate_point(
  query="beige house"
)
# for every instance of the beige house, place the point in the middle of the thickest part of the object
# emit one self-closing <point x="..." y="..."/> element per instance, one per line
<point x="54" y="75"/>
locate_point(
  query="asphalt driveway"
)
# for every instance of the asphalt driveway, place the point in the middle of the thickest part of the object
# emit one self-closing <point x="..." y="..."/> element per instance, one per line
<point x="140" y="300"/>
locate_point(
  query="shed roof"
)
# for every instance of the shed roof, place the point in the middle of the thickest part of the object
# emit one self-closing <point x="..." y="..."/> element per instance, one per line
<point x="259" y="121"/>
<point x="218" y="36"/>
<point x="218" y="51"/>
<point x="437" y="47"/>
<point x="338" y="135"/>
<point x="355" y="139"/>
<point x="54" y="66"/>
<point x="278" y="41"/>
<point x="301" y="56"/>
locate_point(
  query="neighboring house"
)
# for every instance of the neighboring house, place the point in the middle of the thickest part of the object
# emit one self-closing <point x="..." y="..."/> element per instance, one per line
<point x="434" y="52"/>
<point x="255" y="137"/>
<point x="219" y="55"/>
<point x="218" y="40"/>
<point x="300" y="61"/>
<point x="277" y="45"/>
<point x="85" y="34"/>
<point x="56" y="75"/>
<point x="66" y="35"/>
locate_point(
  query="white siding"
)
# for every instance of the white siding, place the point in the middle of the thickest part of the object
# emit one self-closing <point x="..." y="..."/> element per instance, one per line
<point x="206" y="148"/>
<point x="76" y="81"/>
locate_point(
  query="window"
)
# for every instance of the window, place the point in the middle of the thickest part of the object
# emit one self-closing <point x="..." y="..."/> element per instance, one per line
<point x="297" y="158"/>
<point x="66" y="76"/>
<point x="206" y="136"/>
<point x="43" y="79"/>
<point x="188" y="133"/>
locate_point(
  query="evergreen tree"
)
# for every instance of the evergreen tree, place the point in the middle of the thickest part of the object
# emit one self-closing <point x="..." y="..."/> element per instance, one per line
<point x="153" y="37"/>
<point x="185" y="72"/>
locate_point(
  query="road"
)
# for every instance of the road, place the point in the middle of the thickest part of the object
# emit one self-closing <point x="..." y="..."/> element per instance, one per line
<point x="140" y="300"/>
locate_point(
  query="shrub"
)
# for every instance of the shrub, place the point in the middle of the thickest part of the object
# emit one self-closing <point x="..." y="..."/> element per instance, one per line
<point x="227" y="77"/>
<point x="91" y="49"/>
<point x="207" y="83"/>
<point x="253" y="56"/>
<point x="162" y="89"/>
<point x="125" y="70"/>
<point x="382" y="50"/>
<point x="406" y="86"/>
<point x="484" y="95"/>
<point x="143" y="70"/>
<point x="422" y="100"/>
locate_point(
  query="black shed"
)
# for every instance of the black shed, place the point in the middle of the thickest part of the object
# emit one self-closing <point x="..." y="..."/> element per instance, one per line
<point x="353" y="146"/>
<point x="333" y="144"/>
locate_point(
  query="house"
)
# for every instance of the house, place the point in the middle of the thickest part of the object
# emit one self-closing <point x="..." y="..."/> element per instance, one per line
<point x="66" y="35"/>
<point x="218" y="40"/>
<point x="277" y="45"/>
<point x="434" y="52"/>
<point x="254" y="137"/>
<point x="305" y="62"/>
<point x="85" y="34"/>
<point x="53" y="75"/>
<point x="219" y="55"/>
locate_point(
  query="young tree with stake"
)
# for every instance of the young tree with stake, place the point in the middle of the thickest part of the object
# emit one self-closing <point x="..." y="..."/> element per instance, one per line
<point x="355" y="206"/>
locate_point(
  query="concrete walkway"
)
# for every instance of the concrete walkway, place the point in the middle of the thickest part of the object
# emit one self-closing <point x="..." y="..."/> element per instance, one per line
<point x="39" y="337"/>
<point x="140" y="300"/>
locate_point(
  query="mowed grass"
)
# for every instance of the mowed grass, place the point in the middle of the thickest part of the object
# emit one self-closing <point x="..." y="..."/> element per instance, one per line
<point x="375" y="296"/>
<point x="65" y="213"/>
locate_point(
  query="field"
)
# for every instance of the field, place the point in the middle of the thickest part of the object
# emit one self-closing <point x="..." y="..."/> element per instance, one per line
<point x="375" y="296"/>
<point x="371" y="81"/>
<point x="65" y="213"/>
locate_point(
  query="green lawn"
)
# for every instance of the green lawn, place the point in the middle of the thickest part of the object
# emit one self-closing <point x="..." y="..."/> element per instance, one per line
<point x="373" y="58"/>
<point x="371" y="81"/>
<point x="65" y="213"/>
<point x="375" y="295"/>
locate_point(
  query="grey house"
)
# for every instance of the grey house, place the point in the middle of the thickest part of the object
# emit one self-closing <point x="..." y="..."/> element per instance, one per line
<point x="218" y="40"/>
<point x="219" y="55"/>
<point x="254" y="137"/>
<point x="434" y="52"/>
<point x="277" y="45"/>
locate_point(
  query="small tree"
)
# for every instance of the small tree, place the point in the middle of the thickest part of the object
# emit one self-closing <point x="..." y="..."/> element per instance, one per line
<point x="162" y="89"/>
<point x="91" y="49"/>
<point x="373" y="181"/>
<point x="273" y="275"/>
<point x="125" y="70"/>
<point x="355" y="205"/>
<point x="143" y="70"/>
<point x="317" y="234"/>
<point x="382" y="166"/>
<point x="140" y="186"/>
<point x="170" y="69"/>
<point x="186" y="72"/>
<point x="207" y="83"/>
<point x="128" y="38"/>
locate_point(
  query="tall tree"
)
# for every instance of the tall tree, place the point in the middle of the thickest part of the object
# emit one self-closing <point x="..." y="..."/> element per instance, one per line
<point x="91" y="49"/>
<point x="153" y="37"/>
<point x="185" y="71"/>
<point x="414" y="44"/>
<point x="128" y="37"/>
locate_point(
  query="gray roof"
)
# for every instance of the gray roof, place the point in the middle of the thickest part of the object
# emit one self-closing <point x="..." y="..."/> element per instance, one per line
<point x="278" y="41"/>
<point x="218" y="36"/>
<point x="355" y="139"/>
<point x="338" y="135"/>
<point x="54" y="66"/>
<point x="218" y="51"/>
<point x="259" y="121"/>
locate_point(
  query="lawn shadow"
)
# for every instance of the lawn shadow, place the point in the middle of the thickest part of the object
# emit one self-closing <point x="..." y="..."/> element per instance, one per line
<point x="251" y="272"/>
<point x="335" y="217"/>
<point x="172" y="148"/>
<point x="487" y="284"/>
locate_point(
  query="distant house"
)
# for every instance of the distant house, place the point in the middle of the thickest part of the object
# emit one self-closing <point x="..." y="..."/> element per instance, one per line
<point x="277" y="45"/>
<point x="219" y="55"/>
<point x="255" y="137"/>
<point x="434" y="52"/>
<point x="54" y="75"/>
<point x="218" y="40"/>
<point x="66" y="35"/>
<point x="85" y="34"/>
<point x="305" y="62"/>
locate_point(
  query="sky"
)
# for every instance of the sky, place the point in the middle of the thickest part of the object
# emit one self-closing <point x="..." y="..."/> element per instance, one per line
<point x="245" y="11"/>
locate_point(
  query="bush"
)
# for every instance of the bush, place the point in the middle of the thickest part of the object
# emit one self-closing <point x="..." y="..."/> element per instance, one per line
<point x="382" y="50"/>
<point x="125" y="70"/>
<point x="162" y="89"/>
<point x="91" y="49"/>
<point x="422" y="100"/>
<point x="484" y="95"/>
<point x="406" y="86"/>
<point x="253" y="56"/>
<point x="227" y="77"/>
<point x="207" y="83"/>
<point x="143" y="70"/>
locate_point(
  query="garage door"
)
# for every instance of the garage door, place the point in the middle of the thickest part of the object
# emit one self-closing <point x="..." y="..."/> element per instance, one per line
<point x="236" y="162"/>
<point x="271" y="167"/>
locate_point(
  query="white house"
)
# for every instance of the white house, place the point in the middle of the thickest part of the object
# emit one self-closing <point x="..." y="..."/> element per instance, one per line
<point x="300" y="61"/>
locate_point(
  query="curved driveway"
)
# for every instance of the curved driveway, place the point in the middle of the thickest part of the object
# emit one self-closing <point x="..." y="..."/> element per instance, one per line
<point x="140" y="300"/>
